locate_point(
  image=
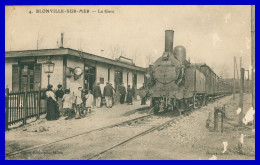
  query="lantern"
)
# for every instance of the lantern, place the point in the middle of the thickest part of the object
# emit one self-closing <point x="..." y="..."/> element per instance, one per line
<point x="48" y="67"/>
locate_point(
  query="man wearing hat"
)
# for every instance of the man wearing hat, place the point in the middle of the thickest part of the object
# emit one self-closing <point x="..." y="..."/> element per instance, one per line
<point x="122" y="92"/>
<point x="108" y="93"/>
<point x="59" y="95"/>
<point x="97" y="94"/>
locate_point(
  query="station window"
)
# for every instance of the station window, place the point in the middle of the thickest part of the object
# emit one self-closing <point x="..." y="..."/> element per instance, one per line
<point x="26" y="76"/>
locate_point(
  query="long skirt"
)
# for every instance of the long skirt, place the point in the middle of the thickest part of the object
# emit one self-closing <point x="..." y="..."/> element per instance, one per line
<point x="52" y="110"/>
<point x="122" y="98"/>
<point x="60" y="105"/>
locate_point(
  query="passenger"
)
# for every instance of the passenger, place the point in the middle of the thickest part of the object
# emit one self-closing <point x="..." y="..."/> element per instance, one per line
<point x="59" y="95"/>
<point x="83" y="93"/>
<point x="143" y="100"/>
<point x="67" y="104"/>
<point x="133" y="91"/>
<point x="52" y="106"/>
<point x="108" y="93"/>
<point x="97" y="95"/>
<point x="89" y="102"/>
<point x="129" y="97"/>
<point x="78" y="103"/>
<point x="113" y="93"/>
<point x="122" y="92"/>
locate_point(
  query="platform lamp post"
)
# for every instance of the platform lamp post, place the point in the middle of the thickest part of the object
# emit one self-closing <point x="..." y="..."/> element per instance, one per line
<point x="48" y="68"/>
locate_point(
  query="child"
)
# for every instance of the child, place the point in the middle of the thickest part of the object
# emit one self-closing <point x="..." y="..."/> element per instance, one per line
<point x="67" y="103"/>
<point x="78" y="103"/>
<point x="89" y="101"/>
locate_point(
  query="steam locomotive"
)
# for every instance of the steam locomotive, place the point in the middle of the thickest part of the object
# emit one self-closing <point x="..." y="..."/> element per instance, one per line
<point x="176" y="84"/>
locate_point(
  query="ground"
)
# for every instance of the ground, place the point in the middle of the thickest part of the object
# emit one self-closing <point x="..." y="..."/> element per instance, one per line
<point x="187" y="138"/>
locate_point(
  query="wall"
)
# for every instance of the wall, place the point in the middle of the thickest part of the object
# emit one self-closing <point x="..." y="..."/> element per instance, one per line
<point x="112" y="76"/>
<point x="125" y="77"/>
<point x="73" y="84"/>
<point x="140" y="79"/>
<point x="8" y="72"/>
<point x="56" y="76"/>
<point x="130" y="79"/>
<point x="102" y="71"/>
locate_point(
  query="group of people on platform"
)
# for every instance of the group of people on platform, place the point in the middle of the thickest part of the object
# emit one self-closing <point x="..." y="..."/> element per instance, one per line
<point x="129" y="93"/>
<point x="78" y="104"/>
<point x="59" y="103"/>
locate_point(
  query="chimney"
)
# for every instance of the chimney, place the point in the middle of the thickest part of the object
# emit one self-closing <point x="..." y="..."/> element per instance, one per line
<point x="61" y="41"/>
<point x="169" y="40"/>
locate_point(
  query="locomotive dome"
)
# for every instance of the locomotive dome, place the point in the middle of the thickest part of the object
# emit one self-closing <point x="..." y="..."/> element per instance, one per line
<point x="180" y="53"/>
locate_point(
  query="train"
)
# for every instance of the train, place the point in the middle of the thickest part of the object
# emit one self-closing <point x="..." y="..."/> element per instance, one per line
<point x="177" y="84"/>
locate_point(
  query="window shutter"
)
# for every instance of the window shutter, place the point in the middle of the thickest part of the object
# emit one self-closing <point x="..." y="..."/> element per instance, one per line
<point x="15" y="77"/>
<point x="37" y="76"/>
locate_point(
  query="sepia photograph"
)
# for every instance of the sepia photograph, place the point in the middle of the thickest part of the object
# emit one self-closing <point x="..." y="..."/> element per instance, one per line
<point x="129" y="82"/>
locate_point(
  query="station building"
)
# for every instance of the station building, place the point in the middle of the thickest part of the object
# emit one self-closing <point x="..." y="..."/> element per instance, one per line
<point x="24" y="70"/>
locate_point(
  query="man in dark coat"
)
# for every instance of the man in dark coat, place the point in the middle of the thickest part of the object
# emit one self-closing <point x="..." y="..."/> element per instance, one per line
<point x="122" y="92"/>
<point x="108" y="93"/>
<point x="59" y="95"/>
<point x="129" y="96"/>
<point x="97" y="94"/>
<point x="143" y="101"/>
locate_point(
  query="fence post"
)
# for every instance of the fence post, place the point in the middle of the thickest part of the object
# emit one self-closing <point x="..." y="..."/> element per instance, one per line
<point x="39" y="104"/>
<point x="222" y="120"/>
<point x="25" y="108"/>
<point x="6" y="108"/>
<point x="215" y="119"/>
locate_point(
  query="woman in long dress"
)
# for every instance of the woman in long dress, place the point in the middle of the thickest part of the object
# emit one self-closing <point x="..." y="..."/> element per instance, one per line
<point x="52" y="105"/>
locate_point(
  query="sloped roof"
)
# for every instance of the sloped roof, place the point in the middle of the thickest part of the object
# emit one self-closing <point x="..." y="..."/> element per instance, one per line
<point x="71" y="52"/>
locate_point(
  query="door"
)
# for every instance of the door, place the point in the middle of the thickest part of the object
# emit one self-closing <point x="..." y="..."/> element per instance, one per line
<point x="90" y="77"/>
<point x="118" y="79"/>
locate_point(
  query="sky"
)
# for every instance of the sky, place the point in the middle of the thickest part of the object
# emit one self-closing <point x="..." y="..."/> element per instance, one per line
<point x="210" y="34"/>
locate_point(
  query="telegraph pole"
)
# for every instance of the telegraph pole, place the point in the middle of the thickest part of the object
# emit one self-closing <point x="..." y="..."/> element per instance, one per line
<point x="242" y="71"/>
<point x="253" y="57"/>
<point x="234" y="82"/>
<point x="253" y="53"/>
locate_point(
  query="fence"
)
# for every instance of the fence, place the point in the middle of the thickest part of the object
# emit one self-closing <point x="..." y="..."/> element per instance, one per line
<point x="23" y="105"/>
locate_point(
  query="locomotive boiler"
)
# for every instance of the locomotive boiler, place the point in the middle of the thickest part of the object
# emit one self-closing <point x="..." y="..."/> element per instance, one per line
<point x="176" y="84"/>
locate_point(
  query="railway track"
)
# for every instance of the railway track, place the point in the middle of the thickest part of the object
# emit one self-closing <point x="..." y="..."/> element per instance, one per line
<point x="158" y="127"/>
<point x="77" y="135"/>
<point x="152" y="127"/>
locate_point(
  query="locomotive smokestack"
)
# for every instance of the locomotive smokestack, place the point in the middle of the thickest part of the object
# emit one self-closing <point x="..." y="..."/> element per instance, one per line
<point x="169" y="40"/>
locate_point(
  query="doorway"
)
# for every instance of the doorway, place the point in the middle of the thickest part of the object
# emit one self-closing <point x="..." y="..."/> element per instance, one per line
<point x="90" y="77"/>
<point x="118" y="79"/>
